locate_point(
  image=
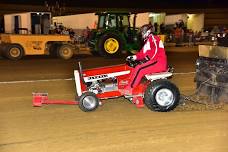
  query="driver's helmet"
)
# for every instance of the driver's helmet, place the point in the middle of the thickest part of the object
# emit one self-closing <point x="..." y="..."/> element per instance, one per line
<point x="145" y="31"/>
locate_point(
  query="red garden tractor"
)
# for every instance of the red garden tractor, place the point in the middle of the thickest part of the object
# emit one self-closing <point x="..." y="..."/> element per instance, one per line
<point x="92" y="85"/>
<point x="155" y="91"/>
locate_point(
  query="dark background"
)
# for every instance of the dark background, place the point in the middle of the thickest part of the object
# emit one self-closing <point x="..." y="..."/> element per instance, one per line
<point x="85" y="6"/>
<point x="148" y="4"/>
<point x="215" y="10"/>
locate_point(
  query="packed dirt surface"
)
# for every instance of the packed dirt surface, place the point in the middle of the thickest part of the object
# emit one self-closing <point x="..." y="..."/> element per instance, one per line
<point x="116" y="126"/>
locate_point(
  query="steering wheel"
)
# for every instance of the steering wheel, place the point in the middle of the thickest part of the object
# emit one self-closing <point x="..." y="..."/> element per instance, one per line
<point x="134" y="63"/>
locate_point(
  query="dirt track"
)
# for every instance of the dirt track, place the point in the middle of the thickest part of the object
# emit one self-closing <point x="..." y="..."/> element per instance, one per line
<point x="116" y="126"/>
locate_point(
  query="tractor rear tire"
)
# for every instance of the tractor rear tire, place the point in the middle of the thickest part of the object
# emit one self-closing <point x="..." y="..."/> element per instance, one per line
<point x="3" y="49"/>
<point x="65" y="51"/>
<point x="161" y="96"/>
<point x="110" y="45"/>
<point x="88" y="101"/>
<point x="53" y="50"/>
<point x="14" y="52"/>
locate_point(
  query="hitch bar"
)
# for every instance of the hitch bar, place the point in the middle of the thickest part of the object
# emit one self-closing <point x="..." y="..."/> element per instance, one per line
<point x="42" y="98"/>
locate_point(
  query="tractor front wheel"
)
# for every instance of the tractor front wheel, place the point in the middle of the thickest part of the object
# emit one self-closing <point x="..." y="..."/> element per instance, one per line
<point x="65" y="51"/>
<point x="110" y="45"/>
<point x="162" y="96"/>
<point x="14" y="52"/>
<point x="88" y="101"/>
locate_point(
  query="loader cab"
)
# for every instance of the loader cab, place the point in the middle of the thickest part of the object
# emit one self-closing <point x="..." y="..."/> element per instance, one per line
<point x="40" y="23"/>
<point x="119" y="22"/>
<point x="27" y="23"/>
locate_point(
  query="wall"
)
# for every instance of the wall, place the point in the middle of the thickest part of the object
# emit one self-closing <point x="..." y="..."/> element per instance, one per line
<point x="195" y="22"/>
<point x="142" y="18"/>
<point x="172" y="19"/>
<point x="25" y="21"/>
<point x="77" y="21"/>
<point x="8" y="23"/>
<point x="158" y="18"/>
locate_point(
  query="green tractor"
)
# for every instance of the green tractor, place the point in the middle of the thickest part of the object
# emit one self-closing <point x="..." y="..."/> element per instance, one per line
<point x="114" y="34"/>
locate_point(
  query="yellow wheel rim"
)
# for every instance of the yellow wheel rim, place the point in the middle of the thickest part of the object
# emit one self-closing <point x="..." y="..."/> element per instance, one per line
<point x="111" y="45"/>
<point x="66" y="51"/>
<point x="15" y="52"/>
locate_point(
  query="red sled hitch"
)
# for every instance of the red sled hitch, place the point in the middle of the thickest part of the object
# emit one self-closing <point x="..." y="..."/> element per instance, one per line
<point x="42" y="98"/>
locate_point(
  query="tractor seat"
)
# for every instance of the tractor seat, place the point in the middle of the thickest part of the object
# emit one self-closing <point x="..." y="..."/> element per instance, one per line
<point x="160" y="75"/>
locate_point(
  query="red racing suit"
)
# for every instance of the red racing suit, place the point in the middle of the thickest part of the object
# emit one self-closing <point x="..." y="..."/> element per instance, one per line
<point x="154" y="49"/>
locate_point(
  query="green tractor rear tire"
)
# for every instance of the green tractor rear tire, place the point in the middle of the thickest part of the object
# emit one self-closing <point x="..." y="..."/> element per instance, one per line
<point x="110" y="45"/>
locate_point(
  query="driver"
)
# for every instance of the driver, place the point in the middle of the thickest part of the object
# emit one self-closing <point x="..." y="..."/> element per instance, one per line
<point x="153" y="53"/>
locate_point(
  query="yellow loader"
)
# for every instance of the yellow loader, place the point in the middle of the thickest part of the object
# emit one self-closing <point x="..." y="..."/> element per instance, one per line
<point x="15" y="46"/>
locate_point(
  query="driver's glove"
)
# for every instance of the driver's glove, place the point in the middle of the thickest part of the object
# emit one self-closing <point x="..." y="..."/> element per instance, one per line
<point x="131" y="58"/>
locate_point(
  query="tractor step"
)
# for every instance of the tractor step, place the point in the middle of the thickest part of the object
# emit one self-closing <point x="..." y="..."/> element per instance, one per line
<point x="42" y="98"/>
